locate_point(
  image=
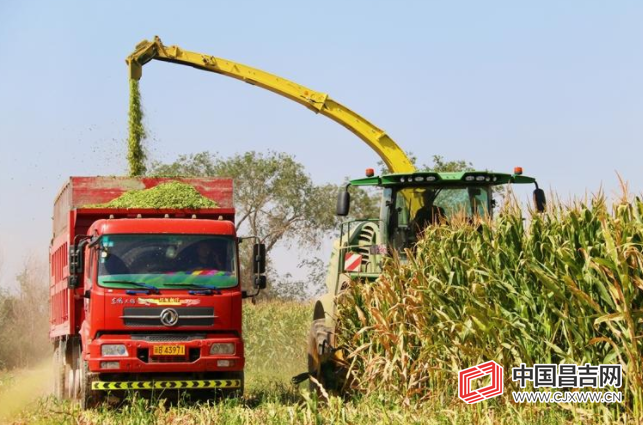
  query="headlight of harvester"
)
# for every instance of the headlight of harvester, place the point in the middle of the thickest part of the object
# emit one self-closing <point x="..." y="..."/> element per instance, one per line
<point x="109" y="350"/>
<point x="222" y="348"/>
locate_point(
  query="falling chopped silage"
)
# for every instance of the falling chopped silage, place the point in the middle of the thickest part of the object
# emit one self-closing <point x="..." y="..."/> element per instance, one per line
<point x="566" y="288"/>
<point x="136" y="152"/>
<point x="174" y="195"/>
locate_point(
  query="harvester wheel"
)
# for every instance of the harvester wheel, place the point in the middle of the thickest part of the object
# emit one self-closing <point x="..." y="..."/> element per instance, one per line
<point x="320" y="357"/>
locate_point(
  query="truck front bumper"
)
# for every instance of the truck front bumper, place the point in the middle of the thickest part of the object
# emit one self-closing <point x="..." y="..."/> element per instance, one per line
<point x="140" y="356"/>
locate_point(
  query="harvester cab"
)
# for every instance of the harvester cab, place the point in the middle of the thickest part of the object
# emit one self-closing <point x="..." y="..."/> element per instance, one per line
<point x="412" y="201"/>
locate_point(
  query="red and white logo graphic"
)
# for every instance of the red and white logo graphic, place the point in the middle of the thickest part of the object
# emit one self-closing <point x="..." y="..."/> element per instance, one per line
<point x="352" y="262"/>
<point x="494" y="389"/>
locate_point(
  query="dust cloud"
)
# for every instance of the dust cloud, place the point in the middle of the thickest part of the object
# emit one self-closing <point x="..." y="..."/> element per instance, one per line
<point x="24" y="388"/>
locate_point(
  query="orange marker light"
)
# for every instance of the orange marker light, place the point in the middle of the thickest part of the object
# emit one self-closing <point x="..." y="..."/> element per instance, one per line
<point x="370" y="172"/>
<point x="518" y="170"/>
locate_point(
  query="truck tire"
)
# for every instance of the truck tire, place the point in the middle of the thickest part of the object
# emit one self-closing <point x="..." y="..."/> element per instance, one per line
<point x="88" y="398"/>
<point x="67" y="364"/>
<point x="59" y="371"/>
<point x="73" y="371"/>
<point x="319" y="356"/>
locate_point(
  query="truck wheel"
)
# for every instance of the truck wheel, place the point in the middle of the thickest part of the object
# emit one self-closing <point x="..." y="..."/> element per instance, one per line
<point x="320" y="365"/>
<point x="67" y="361"/>
<point x="59" y="372"/>
<point x="73" y="371"/>
<point x="88" y="398"/>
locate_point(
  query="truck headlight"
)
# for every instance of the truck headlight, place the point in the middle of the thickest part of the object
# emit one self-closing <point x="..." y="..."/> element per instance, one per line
<point x="222" y="348"/>
<point x="109" y="350"/>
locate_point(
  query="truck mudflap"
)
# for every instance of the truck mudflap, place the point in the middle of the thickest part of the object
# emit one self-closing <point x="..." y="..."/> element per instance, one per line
<point x="149" y="385"/>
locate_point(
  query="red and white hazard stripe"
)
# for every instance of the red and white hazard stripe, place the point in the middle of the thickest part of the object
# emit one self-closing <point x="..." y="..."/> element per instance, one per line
<point x="352" y="261"/>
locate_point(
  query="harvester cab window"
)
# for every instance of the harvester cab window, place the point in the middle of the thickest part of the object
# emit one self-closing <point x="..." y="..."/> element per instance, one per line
<point x="402" y="211"/>
<point x="429" y="211"/>
<point x="479" y="200"/>
<point x="408" y="210"/>
<point x="399" y="208"/>
<point x="446" y="204"/>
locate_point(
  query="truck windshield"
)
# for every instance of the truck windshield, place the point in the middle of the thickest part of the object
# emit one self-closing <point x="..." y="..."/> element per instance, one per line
<point x="158" y="260"/>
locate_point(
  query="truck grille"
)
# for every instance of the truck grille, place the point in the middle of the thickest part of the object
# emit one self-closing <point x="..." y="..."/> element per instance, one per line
<point x="167" y="337"/>
<point x="151" y="316"/>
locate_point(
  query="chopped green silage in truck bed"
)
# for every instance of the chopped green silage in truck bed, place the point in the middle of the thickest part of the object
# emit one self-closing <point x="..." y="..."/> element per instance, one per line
<point x="174" y="195"/>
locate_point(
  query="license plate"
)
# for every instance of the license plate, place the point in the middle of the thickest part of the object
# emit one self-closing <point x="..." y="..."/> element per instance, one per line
<point x="168" y="350"/>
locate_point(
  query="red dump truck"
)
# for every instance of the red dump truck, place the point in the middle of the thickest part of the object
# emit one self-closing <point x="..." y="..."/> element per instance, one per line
<point x="146" y="299"/>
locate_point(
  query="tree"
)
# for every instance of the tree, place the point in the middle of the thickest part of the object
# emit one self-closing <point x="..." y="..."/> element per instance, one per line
<point x="285" y="287"/>
<point x="274" y="197"/>
<point x="440" y="165"/>
<point x="24" y="317"/>
<point x="277" y="201"/>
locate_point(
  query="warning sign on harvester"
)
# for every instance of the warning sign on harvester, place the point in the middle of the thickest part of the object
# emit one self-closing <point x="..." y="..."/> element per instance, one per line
<point x="352" y="262"/>
<point x="149" y="385"/>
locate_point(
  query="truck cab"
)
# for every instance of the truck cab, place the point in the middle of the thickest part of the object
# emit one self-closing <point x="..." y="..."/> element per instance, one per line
<point x="149" y="299"/>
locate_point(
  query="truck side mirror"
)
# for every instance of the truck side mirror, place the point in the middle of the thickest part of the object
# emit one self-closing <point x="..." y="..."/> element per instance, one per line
<point x="75" y="259"/>
<point x="343" y="203"/>
<point x="261" y="282"/>
<point x="72" y="281"/>
<point x="539" y="199"/>
<point x="259" y="258"/>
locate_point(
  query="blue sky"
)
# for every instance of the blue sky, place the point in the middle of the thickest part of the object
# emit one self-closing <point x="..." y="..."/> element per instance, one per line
<point x="556" y="87"/>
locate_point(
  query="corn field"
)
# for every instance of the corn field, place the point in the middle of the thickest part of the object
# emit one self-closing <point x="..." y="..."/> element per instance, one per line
<point x="564" y="286"/>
